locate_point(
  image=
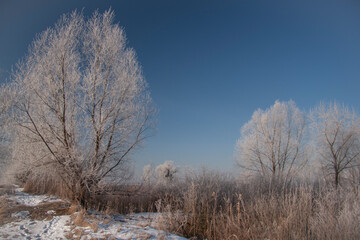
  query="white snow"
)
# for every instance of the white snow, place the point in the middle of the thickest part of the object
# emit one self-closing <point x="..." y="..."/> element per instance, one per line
<point x="51" y="212"/>
<point x="31" y="200"/>
<point x="20" y="214"/>
<point x="132" y="226"/>
<point x="32" y="229"/>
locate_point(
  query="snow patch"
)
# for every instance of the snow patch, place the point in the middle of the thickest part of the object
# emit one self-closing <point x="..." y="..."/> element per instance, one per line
<point x="32" y="229"/>
<point x="31" y="200"/>
<point x="132" y="226"/>
<point x="20" y="214"/>
<point x="50" y="212"/>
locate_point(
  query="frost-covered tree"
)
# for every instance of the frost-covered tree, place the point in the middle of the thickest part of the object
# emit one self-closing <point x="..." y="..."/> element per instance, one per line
<point x="148" y="174"/>
<point x="166" y="172"/>
<point x="82" y="105"/>
<point x="272" y="142"/>
<point x="5" y="102"/>
<point x="337" y="132"/>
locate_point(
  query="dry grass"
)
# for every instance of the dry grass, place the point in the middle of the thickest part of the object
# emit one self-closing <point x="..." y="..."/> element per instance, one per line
<point x="112" y="199"/>
<point x="210" y="205"/>
<point x="7" y="189"/>
<point x="83" y="219"/>
<point x="39" y="212"/>
<point x="123" y="202"/>
<point x="6" y="210"/>
<point x="215" y="207"/>
<point x="38" y="185"/>
<point x="337" y="216"/>
<point x="79" y="221"/>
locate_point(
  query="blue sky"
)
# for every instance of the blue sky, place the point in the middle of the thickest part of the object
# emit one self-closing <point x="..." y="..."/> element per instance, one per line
<point x="210" y="64"/>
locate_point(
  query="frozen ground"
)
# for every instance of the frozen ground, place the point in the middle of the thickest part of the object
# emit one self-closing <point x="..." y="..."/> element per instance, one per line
<point x="31" y="200"/>
<point x="25" y="228"/>
<point x="77" y="225"/>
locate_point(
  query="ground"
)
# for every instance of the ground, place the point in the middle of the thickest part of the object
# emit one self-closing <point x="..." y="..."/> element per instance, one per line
<point x="26" y="216"/>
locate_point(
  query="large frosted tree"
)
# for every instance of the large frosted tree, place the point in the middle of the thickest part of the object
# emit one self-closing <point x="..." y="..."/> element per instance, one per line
<point x="82" y="105"/>
<point x="272" y="142"/>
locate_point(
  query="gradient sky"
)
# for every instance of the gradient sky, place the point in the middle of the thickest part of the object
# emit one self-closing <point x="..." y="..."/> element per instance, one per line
<point x="211" y="64"/>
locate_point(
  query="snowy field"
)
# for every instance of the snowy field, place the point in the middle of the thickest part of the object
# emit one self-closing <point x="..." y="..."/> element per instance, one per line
<point x="23" y="207"/>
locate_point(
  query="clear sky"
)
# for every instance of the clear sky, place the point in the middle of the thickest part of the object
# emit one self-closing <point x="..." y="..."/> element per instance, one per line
<point x="210" y="64"/>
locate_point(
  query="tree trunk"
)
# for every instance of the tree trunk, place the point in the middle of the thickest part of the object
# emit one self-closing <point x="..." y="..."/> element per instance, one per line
<point x="87" y="190"/>
<point x="337" y="179"/>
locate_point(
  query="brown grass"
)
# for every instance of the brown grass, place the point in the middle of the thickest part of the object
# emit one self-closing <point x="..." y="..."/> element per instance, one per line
<point x="83" y="219"/>
<point x="7" y="189"/>
<point x="210" y="205"/>
<point x="39" y="212"/>
<point x="111" y="200"/>
<point x="38" y="185"/>
<point x="216" y="207"/>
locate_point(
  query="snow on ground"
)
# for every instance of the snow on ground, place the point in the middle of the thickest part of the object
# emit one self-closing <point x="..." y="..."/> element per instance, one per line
<point x="32" y="229"/>
<point x="31" y="200"/>
<point x="93" y="225"/>
<point x="132" y="226"/>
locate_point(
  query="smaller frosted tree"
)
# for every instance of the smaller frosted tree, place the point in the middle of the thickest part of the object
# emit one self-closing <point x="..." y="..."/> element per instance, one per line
<point x="272" y="142"/>
<point x="148" y="174"/>
<point x="337" y="133"/>
<point x="5" y="101"/>
<point x="166" y="172"/>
